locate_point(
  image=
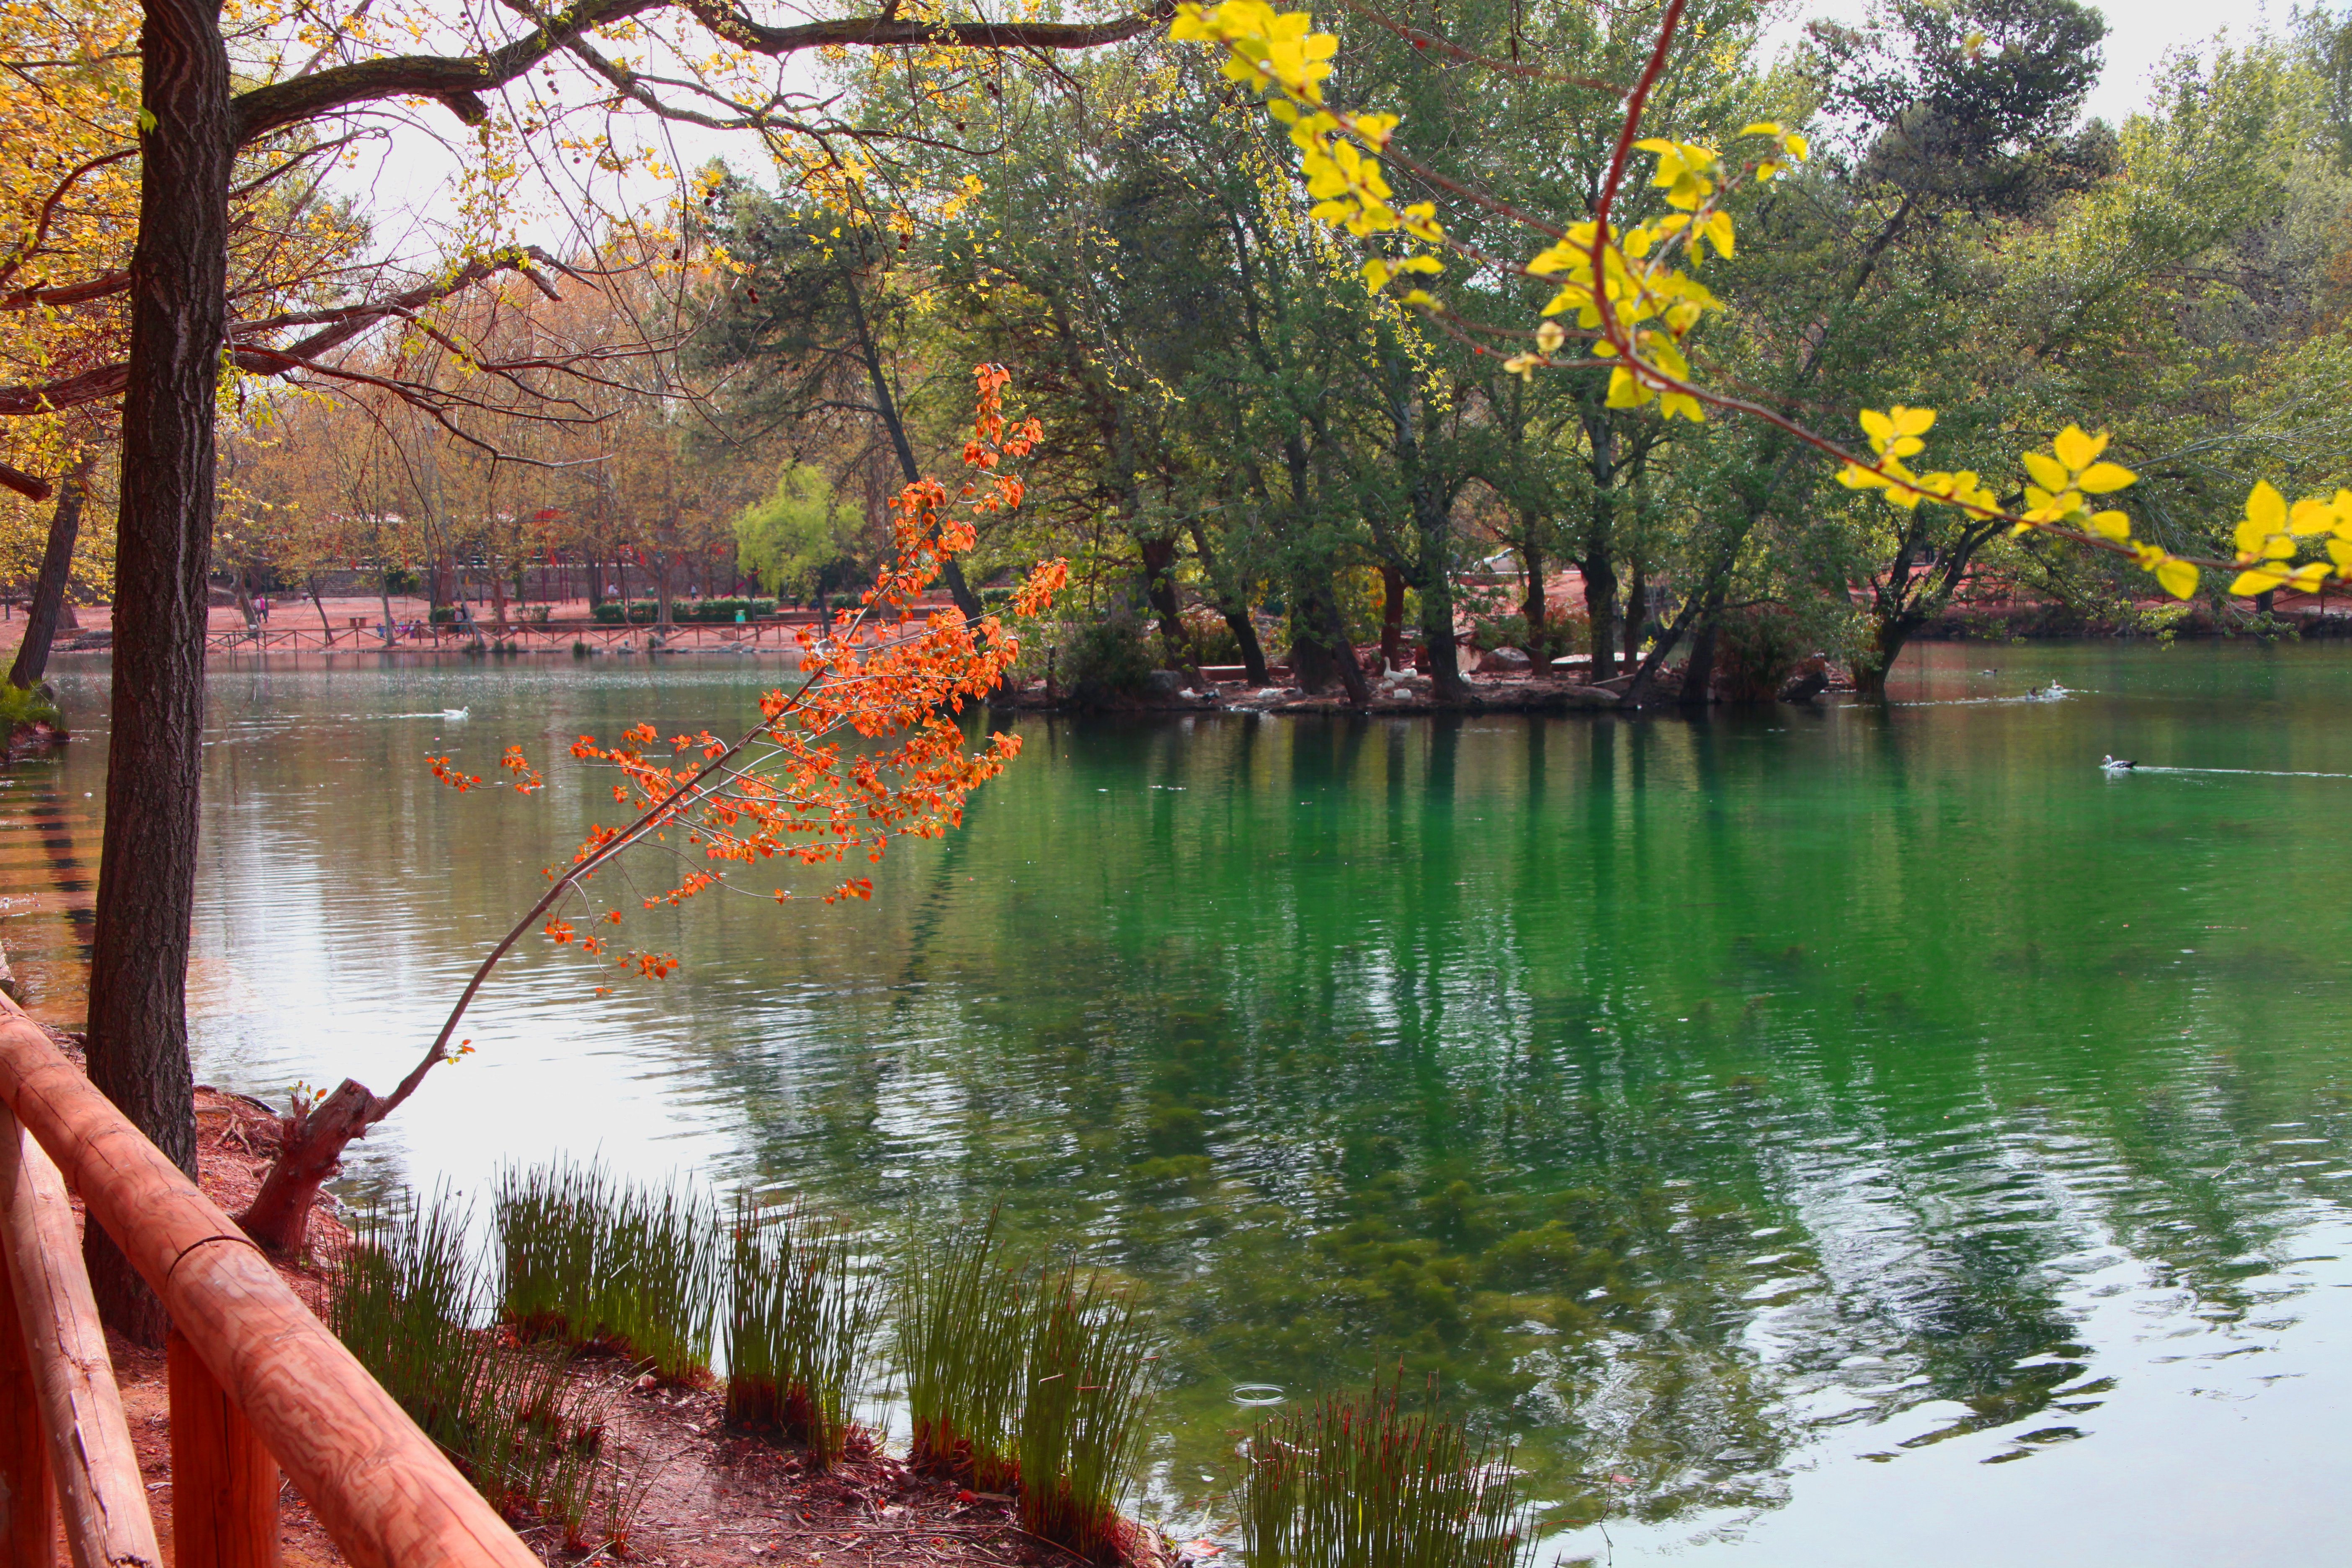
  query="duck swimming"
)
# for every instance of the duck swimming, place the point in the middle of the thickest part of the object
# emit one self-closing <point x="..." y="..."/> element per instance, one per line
<point x="2116" y="765"/>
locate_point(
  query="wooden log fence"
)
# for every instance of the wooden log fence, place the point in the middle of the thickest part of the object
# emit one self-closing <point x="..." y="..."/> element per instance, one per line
<point x="256" y="1382"/>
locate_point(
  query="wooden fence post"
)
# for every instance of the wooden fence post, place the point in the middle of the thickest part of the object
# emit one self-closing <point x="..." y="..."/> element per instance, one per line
<point x="29" y="1498"/>
<point x="223" y="1481"/>
<point x="100" y="1491"/>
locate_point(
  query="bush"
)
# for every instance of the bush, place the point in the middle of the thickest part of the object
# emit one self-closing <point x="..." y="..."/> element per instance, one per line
<point x="1756" y="650"/>
<point x="1212" y="641"/>
<point x="1104" y="660"/>
<point x="22" y="708"/>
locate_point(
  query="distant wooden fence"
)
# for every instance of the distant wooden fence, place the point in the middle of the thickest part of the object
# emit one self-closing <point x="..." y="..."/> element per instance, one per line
<point x="255" y="1382"/>
<point x="775" y="632"/>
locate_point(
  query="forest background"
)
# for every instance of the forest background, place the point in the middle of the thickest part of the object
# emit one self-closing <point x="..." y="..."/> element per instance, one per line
<point x="1248" y="459"/>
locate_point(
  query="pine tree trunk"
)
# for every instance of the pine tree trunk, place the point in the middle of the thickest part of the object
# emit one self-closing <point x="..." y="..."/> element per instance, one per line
<point x="57" y="570"/>
<point x="147" y="871"/>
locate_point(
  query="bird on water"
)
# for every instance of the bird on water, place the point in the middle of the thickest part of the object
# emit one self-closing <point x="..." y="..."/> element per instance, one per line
<point x="2116" y="765"/>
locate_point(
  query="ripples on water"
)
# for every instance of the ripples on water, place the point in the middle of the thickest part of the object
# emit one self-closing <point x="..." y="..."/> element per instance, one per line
<point x="1822" y="1137"/>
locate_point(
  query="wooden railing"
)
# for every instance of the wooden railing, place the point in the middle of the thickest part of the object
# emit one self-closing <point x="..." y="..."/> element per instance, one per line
<point x="255" y="1382"/>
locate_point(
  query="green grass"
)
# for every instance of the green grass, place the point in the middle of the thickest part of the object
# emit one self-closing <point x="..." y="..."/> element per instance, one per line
<point x="1347" y="1483"/>
<point x="1091" y="1376"/>
<point x="801" y="1324"/>
<point x="960" y="1341"/>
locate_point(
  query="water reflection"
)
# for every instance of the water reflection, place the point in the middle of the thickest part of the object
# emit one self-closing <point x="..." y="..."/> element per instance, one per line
<point x="1787" y="1122"/>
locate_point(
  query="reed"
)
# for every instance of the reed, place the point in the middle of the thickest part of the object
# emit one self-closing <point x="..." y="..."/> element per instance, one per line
<point x="961" y="1343"/>
<point x="1345" y="1483"/>
<point x="610" y="1265"/>
<point x="1091" y="1377"/>
<point x="552" y="1222"/>
<point x="799" y="1329"/>
<point x="526" y="1433"/>
<point x="660" y="1279"/>
<point x="404" y="1297"/>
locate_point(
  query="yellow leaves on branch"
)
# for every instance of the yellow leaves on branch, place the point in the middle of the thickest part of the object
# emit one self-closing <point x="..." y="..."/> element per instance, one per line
<point x="2270" y="538"/>
<point x="1620" y="283"/>
<point x="2057" y="493"/>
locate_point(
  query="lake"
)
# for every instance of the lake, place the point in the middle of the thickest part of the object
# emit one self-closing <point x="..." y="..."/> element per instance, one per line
<point x="1826" y="1136"/>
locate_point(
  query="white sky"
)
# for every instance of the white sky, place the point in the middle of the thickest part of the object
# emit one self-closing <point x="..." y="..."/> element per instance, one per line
<point x="2138" y="33"/>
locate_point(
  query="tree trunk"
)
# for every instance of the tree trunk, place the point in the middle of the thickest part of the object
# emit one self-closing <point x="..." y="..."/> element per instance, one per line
<point x="138" y="1041"/>
<point x="57" y="571"/>
<point x="310" y="1151"/>
<point x="1600" y="607"/>
<point x="1637" y="613"/>
<point x="310" y="581"/>
<point x="1234" y="610"/>
<point x="1532" y="608"/>
<point x="886" y="405"/>
<point x="383" y="592"/>
<point x="1391" y="618"/>
<point x="1698" y="675"/>
<point x="1160" y="592"/>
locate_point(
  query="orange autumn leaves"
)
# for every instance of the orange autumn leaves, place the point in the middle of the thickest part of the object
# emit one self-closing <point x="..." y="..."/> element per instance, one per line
<point x="864" y="747"/>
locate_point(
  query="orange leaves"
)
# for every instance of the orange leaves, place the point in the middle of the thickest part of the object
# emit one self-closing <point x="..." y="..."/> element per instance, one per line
<point x="864" y="747"/>
<point x="526" y="780"/>
<point x="461" y="782"/>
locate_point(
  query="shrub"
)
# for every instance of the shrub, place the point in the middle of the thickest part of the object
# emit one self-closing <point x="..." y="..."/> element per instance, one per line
<point x="1755" y="649"/>
<point x="1212" y="641"/>
<point x="1104" y="660"/>
<point x="705" y="612"/>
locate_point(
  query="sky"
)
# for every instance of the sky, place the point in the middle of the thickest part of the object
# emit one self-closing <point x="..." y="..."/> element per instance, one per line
<point x="2138" y="33"/>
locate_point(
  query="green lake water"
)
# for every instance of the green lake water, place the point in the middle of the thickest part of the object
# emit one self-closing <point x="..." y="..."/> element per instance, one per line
<point x="1838" y="1136"/>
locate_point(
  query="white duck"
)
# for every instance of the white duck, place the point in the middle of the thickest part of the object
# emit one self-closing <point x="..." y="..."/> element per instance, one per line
<point x="2116" y="764"/>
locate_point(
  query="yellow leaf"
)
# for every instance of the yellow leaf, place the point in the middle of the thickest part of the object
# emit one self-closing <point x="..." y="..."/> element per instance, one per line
<point x="2311" y="515"/>
<point x="2114" y="525"/>
<point x="2077" y="450"/>
<point x="1913" y="421"/>
<point x="2308" y="577"/>
<point x="2265" y="508"/>
<point x="2178" y="577"/>
<point x="1762" y="128"/>
<point x="2047" y="471"/>
<point x="2252" y="583"/>
<point x="2100" y="478"/>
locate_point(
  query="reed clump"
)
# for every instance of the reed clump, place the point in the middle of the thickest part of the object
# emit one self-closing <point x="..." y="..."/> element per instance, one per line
<point x="1091" y="1376"/>
<point x="801" y="1321"/>
<point x="405" y="1300"/>
<point x="1364" y="1483"/>
<point x="620" y="1266"/>
<point x="961" y="1343"/>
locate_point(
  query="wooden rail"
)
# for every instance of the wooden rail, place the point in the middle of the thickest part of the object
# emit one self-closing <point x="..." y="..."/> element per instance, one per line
<point x="256" y="1380"/>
